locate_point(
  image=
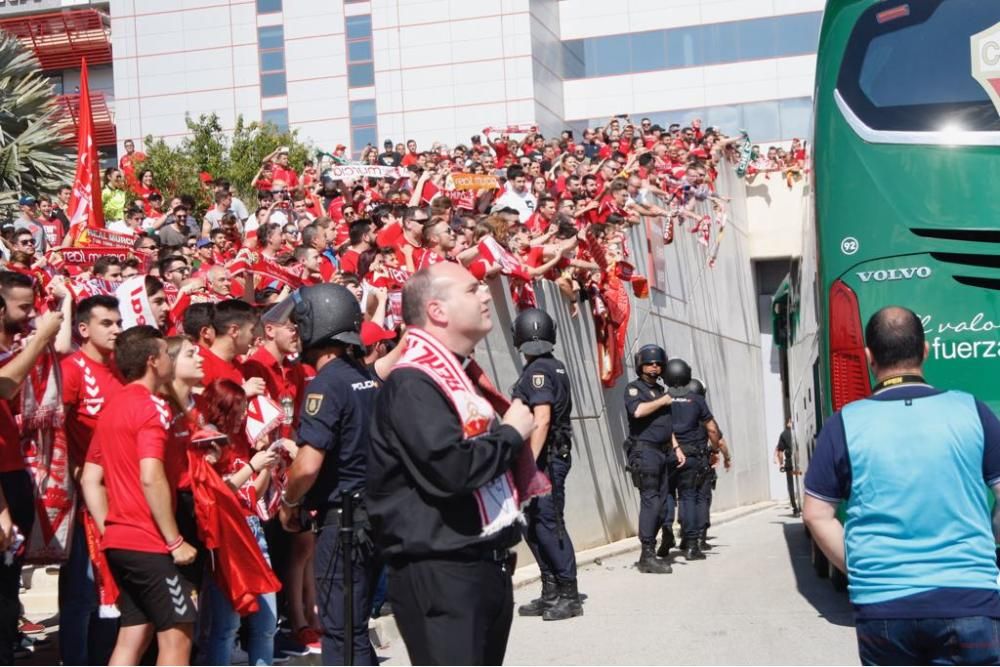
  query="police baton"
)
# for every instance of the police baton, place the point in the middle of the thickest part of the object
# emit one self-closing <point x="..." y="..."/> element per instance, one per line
<point x="347" y="548"/>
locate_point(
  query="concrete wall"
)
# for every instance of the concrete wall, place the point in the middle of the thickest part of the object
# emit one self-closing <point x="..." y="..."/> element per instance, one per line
<point x="706" y="316"/>
<point x="776" y="216"/>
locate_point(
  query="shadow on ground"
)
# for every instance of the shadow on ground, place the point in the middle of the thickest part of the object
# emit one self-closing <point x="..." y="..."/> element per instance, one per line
<point x="828" y="603"/>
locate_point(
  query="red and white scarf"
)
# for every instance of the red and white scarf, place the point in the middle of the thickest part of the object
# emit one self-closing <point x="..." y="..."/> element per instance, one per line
<point x="498" y="500"/>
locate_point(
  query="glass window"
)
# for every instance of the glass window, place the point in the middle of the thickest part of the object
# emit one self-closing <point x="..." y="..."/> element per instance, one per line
<point x="277" y="117"/>
<point x="798" y="33"/>
<point x="361" y="137"/>
<point x="914" y="73"/>
<point x="649" y="50"/>
<point x="761" y="122"/>
<point x="796" y="118"/>
<point x="272" y="61"/>
<point x="271" y="37"/>
<point x="684" y="47"/>
<point x="363" y="112"/>
<point x="358" y="26"/>
<point x="272" y="85"/>
<point x="573" y="59"/>
<point x="362" y="75"/>
<point x="268" y="6"/>
<point x="760" y="39"/>
<point x="722" y="43"/>
<point x="359" y="51"/>
<point x="729" y="119"/>
<point x="604" y="56"/>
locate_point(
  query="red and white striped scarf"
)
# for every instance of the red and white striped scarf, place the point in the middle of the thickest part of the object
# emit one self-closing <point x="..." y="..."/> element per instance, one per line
<point x="498" y="501"/>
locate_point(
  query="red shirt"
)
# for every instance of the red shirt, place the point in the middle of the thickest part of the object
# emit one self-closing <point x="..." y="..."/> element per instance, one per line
<point x="87" y="387"/>
<point x="133" y="427"/>
<point x="11" y="456"/>
<point x="536" y="224"/>
<point x="289" y="176"/>
<point x="415" y="251"/>
<point x="216" y="368"/>
<point x="349" y="261"/>
<point x="283" y="380"/>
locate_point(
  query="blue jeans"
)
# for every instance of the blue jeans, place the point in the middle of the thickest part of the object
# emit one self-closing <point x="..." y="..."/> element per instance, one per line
<point x="84" y="637"/>
<point x="973" y="640"/>
<point x="223" y="621"/>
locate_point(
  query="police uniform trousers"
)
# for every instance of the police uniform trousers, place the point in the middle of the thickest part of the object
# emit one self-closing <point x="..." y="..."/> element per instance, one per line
<point x="670" y="504"/>
<point x="328" y="568"/>
<point x="546" y="530"/>
<point x="454" y="610"/>
<point x="694" y="487"/>
<point x="654" y="467"/>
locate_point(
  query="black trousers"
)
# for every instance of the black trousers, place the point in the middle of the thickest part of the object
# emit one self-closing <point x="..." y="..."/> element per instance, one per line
<point x="790" y="480"/>
<point x="546" y="530"/>
<point x="20" y="494"/>
<point x="452" y="612"/>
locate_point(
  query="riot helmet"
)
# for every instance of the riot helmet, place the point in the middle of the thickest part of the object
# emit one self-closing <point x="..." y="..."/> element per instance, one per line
<point x="677" y="373"/>
<point x="326" y="313"/>
<point x="649" y="354"/>
<point x="696" y="386"/>
<point x="534" y="332"/>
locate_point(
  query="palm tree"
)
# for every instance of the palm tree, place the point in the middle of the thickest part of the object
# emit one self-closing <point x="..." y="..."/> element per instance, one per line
<point x="33" y="156"/>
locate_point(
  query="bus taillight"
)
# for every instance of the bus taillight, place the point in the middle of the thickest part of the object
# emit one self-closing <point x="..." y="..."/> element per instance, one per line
<point x="848" y="366"/>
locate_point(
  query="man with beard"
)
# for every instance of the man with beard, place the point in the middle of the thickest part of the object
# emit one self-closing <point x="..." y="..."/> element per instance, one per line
<point x="17" y="500"/>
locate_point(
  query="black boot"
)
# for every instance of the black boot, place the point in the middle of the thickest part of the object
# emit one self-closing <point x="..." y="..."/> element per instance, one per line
<point x="550" y="593"/>
<point x="567" y="605"/>
<point x="666" y="544"/>
<point x="703" y="541"/>
<point x="650" y="564"/>
<point x="693" y="552"/>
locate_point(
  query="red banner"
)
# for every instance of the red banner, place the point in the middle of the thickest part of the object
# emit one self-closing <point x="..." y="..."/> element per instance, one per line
<point x="87" y="255"/>
<point x="85" y="208"/>
<point x="103" y="237"/>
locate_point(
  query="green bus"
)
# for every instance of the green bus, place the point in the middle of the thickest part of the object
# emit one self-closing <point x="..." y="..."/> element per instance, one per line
<point x="906" y="152"/>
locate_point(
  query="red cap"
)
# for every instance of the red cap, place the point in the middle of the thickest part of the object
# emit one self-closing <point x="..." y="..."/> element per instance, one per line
<point x="205" y="177"/>
<point x="700" y="152"/>
<point x="340" y="147"/>
<point x="372" y="333"/>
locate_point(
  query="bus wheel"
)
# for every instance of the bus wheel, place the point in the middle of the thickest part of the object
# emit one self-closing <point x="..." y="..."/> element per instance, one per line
<point x="819" y="561"/>
<point x="838" y="579"/>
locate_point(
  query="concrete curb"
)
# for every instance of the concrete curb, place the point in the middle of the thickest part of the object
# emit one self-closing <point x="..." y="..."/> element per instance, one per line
<point x="383" y="630"/>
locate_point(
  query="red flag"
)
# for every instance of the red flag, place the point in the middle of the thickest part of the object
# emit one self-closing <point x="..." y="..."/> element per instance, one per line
<point x="85" y="208"/>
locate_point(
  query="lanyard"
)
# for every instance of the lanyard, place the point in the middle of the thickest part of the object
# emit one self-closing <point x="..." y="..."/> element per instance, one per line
<point x="898" y="380"/>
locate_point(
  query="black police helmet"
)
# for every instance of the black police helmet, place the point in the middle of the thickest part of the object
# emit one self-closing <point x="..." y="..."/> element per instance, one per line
<point x="677" y="373"/>
<point x="696" y="386"/>
<point x="326" y="313"/>
<point x="534" y="332"/>
<point x="648" y="354"/>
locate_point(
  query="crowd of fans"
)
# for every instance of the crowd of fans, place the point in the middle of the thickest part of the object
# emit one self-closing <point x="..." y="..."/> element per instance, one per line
<point x="214" y="266"/>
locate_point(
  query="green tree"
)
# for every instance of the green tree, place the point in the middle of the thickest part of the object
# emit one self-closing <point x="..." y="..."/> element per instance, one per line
<point x="234" y="156"/>
<point x="33" y="157"/>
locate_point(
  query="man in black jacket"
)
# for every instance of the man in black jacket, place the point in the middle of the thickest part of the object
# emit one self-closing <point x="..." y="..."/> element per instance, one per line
<point x="439" y="495"/>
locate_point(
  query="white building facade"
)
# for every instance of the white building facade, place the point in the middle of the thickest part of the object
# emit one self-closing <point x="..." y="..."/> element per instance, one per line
<point x="442" y="70"/>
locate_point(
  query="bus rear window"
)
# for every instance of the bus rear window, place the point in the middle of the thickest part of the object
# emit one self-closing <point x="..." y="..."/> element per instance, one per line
<point x="908" y="66"/>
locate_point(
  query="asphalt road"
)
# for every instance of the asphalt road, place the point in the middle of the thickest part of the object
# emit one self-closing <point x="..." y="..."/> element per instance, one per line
<point x="754" y="601"/>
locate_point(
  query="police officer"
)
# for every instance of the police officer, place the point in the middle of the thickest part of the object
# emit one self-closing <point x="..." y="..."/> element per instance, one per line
<point x="698" y="387"/>
<point x="651" y="449"/>
<point x="331" y="462"/>
<point x="544" y="387"/>
<point x="693" y="426"/>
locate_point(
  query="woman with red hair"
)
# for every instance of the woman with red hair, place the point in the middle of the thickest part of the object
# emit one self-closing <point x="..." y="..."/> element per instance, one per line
<point x="223" y="406"/>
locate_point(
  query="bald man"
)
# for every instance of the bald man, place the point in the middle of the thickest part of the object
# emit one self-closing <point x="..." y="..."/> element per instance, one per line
<point x="909" y="464"/>
<point x="438" y="494"/>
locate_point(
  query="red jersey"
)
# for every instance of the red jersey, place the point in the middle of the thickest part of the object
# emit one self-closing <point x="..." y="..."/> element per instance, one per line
<point x="536" y="224"/>
<point x="416" y="252"/>
<point x="87" y="387"/>
<point x="349" y="261"/>
<point x="135" y="426"/>
<point x="284" y="379"/>
<point x="11" y="455"/>
<point x="289" y="176"/>
<point x="216" y="368"/>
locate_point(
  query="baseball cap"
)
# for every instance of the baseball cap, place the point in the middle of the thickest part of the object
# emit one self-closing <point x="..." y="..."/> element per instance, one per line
<point x="27" y="200"/>
<point x="204" y="242"/>
<point x="340" y="147"/>
<point x="387" y="143"/>
<point x="372" y="333"/>
<point x="205" y="177"/>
